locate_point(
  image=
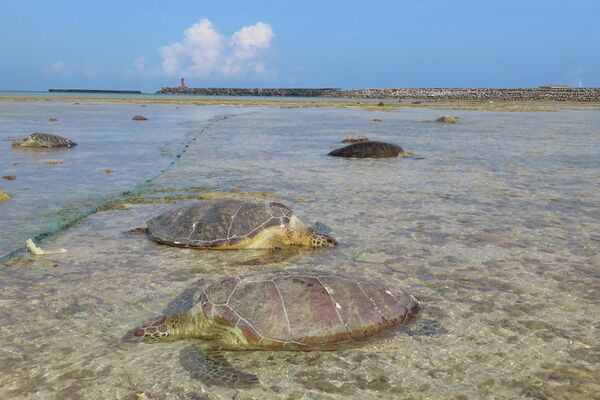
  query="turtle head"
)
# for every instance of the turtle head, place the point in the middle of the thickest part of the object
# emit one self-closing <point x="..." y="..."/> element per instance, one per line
<point x="321" y="240"/>
<point x="304" y="235"/>
<point x="164" y="328"/>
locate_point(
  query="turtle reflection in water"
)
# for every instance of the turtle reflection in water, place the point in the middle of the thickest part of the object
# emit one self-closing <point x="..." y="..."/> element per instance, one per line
<point x="291" y="309"/>
<point x="235" y="224"/>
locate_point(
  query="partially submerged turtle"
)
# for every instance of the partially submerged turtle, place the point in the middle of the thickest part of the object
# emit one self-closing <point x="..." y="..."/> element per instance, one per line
<point x="235" y="224"/>
<point x="369" y="149"/>
<point x="291" y="309"/>
<point x="447" y="119"/>
<point x="4" y="197"/>
<point x="43" y="140"/>
<point x="355" y="139"/>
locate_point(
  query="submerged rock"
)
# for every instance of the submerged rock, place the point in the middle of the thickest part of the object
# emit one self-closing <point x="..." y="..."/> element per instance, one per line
<point x="139" y="118"/>
<point x="369" y="150"/>
<point x="53" y="119"/>
<point x="43" y="140"/>
<point x="355" y="139"/>
<point x="447" y="119"/>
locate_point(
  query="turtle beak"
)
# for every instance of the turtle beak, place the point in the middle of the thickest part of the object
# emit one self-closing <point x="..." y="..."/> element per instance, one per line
<point x="330" y="241"/>
<point x="155" y="330"/>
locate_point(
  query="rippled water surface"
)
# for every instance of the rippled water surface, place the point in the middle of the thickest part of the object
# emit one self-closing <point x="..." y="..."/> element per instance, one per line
<point x="494" y="225"/>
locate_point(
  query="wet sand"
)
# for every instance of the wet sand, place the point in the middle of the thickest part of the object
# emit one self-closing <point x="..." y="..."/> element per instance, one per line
<point x="361" y="104"/>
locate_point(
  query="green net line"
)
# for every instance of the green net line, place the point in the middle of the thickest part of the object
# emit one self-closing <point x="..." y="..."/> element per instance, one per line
<point x="70" y="214"/>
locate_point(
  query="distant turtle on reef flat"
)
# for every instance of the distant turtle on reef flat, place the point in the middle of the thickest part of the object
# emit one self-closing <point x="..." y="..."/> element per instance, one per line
<point x="43" y="140"/>
<point x="369" y="149"/>
<point x="290" y="309"/>
<point x="235" y="224"/>
<point x="447" y="119"/>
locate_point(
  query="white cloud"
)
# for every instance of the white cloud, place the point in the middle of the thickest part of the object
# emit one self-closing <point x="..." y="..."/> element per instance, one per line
<point x="140" y="63"/>
<point x="199" y="54"/>
<point x="247" y="44"/>
<point x="203" y="53"/>
<point x="59" y="66"/>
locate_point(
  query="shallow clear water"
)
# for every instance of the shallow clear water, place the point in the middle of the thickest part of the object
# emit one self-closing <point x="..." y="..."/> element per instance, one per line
<point x="46" y="196"/>
<point x="495" y="226"/>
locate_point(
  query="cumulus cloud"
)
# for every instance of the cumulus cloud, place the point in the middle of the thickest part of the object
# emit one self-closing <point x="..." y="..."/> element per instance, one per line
<point x="247" y="44"/>
<point x="63" y="68"/>
<point x="205" y="52"/>
<point x="59" y="66"/>
<point x="140" y="63"/>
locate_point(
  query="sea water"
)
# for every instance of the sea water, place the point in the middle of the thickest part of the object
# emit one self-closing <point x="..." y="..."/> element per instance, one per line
<point x="494" y="225"/>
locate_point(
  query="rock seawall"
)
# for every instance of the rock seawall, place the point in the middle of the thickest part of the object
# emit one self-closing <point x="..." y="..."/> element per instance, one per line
<point x="473" y="94"/>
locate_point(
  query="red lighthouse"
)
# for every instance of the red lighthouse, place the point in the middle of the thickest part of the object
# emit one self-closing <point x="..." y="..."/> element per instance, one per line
<point x="182" y="83"/>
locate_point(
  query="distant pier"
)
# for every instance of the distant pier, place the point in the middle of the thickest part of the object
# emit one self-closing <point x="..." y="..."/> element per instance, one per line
<point x="95" y="91"/>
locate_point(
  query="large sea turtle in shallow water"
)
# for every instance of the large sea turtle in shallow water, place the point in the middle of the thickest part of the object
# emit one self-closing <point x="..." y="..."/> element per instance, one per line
<point x="43" y="140"/>
<point x="279" y="310"/>
<point x="369" y="149"/>
<point x="235" y="224"/>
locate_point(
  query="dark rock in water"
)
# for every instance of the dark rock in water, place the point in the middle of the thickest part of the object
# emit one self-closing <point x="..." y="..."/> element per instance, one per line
<point x="447" y="119"/>
<point x="139" y="118"/>
<point x="53" y="119"/>
<point x="368" y="150"/>
<point x="355" y="139"/>
<point x="43" y="140"/>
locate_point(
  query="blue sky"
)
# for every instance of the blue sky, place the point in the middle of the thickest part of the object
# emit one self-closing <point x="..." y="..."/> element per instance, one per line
<point x="427" y="43"/>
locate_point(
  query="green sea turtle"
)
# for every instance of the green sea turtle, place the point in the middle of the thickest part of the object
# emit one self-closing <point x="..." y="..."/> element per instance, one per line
<point x="4" y="197"/>
<point x="290" y="309"/>
<point x="43" y="140"/>
<point x="369" y="149"/>
<point x="447" y="119"/>
<point x="235" y="224"/>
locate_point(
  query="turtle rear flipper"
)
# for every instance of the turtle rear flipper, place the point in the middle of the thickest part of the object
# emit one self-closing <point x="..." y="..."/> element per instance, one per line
<point x="138" y="231"/>
<point x="212" y="368"/>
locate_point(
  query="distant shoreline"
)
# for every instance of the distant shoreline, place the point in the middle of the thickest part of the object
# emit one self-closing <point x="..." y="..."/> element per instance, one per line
<point x="444" y="94"/>
<point x="321" y="102"/>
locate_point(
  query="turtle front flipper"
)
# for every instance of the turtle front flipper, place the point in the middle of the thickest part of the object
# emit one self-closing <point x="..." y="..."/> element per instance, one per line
<point x="212" y="368"/>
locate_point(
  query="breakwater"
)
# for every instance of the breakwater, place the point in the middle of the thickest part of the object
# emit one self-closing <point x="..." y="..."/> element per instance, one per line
<point x="433" y="94"/>
<point x="95" y="91"/>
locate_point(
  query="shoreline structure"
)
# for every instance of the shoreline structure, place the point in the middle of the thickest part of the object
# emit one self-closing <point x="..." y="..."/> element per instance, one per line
<point x="482" y="99"/>
<point x="426" y="94"/>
